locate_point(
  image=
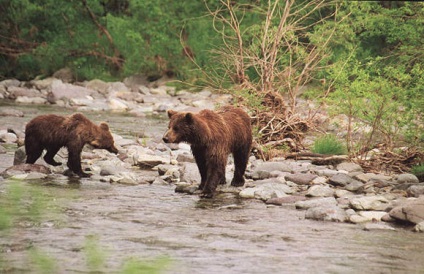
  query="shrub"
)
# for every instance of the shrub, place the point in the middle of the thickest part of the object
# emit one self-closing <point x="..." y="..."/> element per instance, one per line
<point x="419" y="172"/>
<point x="328" y="144"/>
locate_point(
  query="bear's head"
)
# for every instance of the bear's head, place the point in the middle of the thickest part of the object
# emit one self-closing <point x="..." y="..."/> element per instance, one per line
<point x="181" y="127"/>
<point x="104" y="139"/>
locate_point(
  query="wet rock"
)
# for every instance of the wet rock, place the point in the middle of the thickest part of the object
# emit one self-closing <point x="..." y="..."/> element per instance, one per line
<point x="11" y="112"/>
<point x="419" y="227"/>
<point x="20" y="156"/>
<point x="349" y="167"/>
<point x="190" y="173"/>
<point x="406" y="178"/>
<point x="326" y="172"/>
<point x="377" y="226"/>
<point x="372" y="216"/>
<point x="98" y="85"/>
<point x="320" y="191"/>
<point x="185" y="157"/>
<point x="31" y="100"/>
<point x="10" y="83"/>
<point x="367" y="177"/>
<point x="117" y="104"/>
<point x="29" y="176"/>
<point x="291" y="199"/>
<point x="60" y="90"/>
<point x="110" y="169"/>
<point x="124" y="178"/>
<point x="343" y="193"/>
<point x="147" y="161"/>
<point x="320" y="181"/>
<point x="23" y="169"/>
<point x="416" y="190"/>
<point x="341" y="179"/>
<point x="134" y="82"/>
<point x="173" y="175"/>
<point x="411" y="211"/>
<point x="267" y="167"/>
<point x="369" y="203"/>
<point x="146" y="179"/>
<point x="7" y="137"/>
<point x="274" y="181"/>
<point x="15" y="92"/>
<point x="301" y="178"/>
<point x="44" y="84"/>
<point x="357" y="219"/>
<point x="265" y="191"/>
<point x="187" y="188"/>
<point x="65" y="75"/>
<point x="316" y="202"/>
<point x="387" y="218"/>
<point x="354" y="186"/>
<point x="162" y="169"/>
<point x="330" y="213"/>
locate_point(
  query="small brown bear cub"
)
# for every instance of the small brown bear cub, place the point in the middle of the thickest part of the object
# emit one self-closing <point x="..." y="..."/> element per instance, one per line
<point x="51" y="132"/>
<point x="213" y="136"/>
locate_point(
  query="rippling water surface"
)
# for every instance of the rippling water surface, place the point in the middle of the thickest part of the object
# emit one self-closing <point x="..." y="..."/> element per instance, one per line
<point x="221" y="235"/>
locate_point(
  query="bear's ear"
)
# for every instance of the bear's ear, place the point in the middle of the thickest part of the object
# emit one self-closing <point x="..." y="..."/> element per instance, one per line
<point x="189" y="117"/>
<point x="171" y="113"/>
<point x="104" y="126"/>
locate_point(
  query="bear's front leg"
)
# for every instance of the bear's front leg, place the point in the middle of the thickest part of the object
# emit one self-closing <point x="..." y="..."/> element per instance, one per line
<point x="199" y="156"/>
<point x="74" y="163"/>
<point x="215" y="176"/>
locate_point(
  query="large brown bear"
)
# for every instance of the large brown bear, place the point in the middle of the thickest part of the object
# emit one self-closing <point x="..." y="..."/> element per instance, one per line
<point x="51" y="132"/>
<point x="213" y="136"/>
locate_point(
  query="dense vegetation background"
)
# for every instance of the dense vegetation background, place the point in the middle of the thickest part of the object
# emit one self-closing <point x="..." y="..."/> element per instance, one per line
<point x="365" y="59"/>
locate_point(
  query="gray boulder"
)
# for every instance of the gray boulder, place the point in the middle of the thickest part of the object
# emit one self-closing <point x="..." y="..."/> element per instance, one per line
<point x="331" y="213"/>
<point x="411" y="211"/>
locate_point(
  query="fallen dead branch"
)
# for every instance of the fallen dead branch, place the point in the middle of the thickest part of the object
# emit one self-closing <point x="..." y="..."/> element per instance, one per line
<point x="389" y="161"/>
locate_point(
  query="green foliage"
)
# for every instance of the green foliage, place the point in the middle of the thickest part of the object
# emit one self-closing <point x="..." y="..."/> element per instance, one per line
<point x="134" y="266"/>
<point x="20" y="201"/>
<point x="372" y="70"/>
<point x="43" y="263"/>
<point x="18" y="204"/>
<point x="377" y="71"/>
<point x="329" y="145"/>
<point x="418" y="170"/>
<point x="95" y="256"/>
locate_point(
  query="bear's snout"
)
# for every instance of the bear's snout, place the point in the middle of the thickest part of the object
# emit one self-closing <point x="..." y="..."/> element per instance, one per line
<point x="165" y="137"/>
<point x="113" y="150"/>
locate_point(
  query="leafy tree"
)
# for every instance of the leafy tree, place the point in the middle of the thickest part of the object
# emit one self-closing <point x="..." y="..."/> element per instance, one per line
<point x="378" y="70"/>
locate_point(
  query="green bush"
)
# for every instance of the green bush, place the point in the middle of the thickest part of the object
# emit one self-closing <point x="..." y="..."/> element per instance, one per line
<point x="329" y="145"/>
<point x="419" y="172"/>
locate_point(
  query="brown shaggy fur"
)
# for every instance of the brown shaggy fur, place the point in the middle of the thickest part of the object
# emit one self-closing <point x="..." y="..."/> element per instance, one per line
<point x="51" y="132"/>
<point x="213" y="136"/>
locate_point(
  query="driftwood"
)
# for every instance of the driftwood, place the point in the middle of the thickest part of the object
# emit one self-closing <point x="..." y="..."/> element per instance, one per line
<point x="391" y="162"/>
<point x="318" y="159"/>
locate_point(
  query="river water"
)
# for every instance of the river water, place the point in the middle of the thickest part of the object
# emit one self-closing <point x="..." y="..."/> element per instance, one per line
<point x="220" y="235"/>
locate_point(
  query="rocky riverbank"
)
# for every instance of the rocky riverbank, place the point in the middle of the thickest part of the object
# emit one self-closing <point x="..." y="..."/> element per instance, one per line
<point x="338" y="193"/>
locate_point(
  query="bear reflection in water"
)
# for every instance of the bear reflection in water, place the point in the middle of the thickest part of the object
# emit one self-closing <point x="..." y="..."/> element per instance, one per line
<point x="212" y="137"/>
<point x="51" y="132"/>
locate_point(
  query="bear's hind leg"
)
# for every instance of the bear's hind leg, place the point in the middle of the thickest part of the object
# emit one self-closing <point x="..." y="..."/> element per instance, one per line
<point x="241" y="157"/>
<point x="51" y="152"/>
